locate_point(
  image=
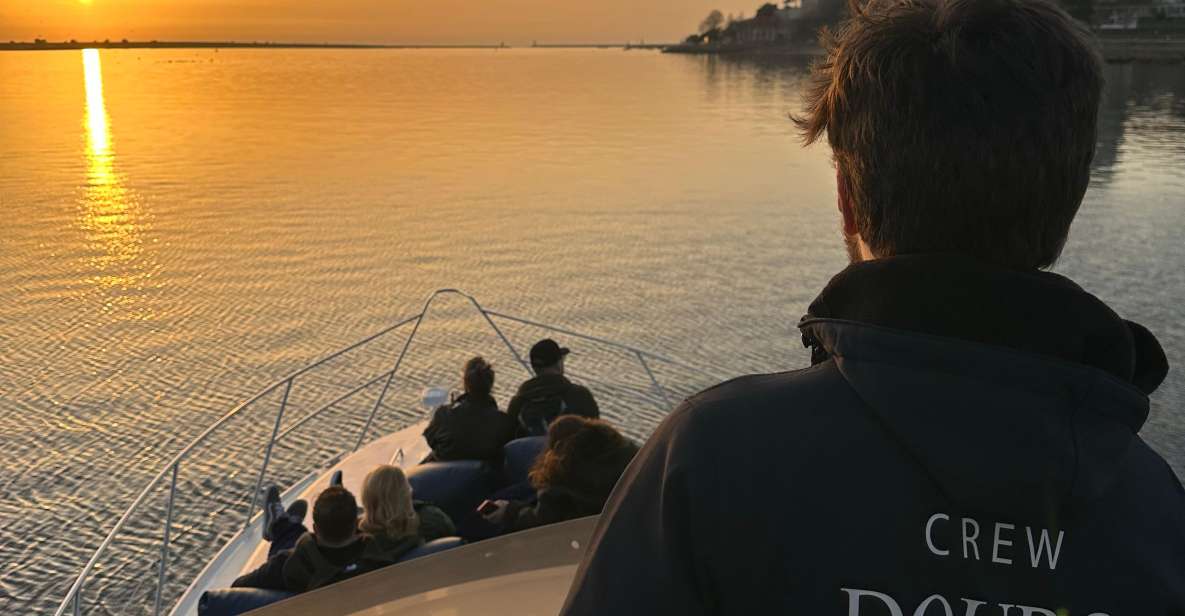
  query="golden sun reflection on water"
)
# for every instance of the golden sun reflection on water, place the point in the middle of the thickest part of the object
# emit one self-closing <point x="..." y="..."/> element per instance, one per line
<point x="97" y="132"/>
<point x="110" y="213"/>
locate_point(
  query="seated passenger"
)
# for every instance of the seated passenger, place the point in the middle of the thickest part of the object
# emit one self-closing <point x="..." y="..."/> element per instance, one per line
<point x="574" y="475"/>
<point x="549" y="394"/>
<point x="389" y="516"/>
<point x="471" y="427"/>
<point x="332" y="552"/>
<point x="379" y="487"/>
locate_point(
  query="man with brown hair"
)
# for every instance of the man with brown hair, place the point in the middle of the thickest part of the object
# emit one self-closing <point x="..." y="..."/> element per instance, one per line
<point x="966" y="439"/>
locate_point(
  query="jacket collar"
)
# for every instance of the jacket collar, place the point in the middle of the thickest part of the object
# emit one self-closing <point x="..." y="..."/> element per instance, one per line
<point x="475" y="400"/>
<point x="955" y="296"/>
<point x="544" y="381"/>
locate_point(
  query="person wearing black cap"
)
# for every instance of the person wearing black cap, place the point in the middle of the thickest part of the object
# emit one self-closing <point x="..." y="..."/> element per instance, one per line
<point x="549" y="394"/>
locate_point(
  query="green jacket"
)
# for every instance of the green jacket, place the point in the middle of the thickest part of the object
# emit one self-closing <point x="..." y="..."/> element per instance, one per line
<point x="313" y="566"/>
<point x="382" y="550"/>
<point x="434" y="522"/>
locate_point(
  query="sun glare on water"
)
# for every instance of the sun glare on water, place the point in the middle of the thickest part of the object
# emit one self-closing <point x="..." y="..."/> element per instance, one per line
<point x="98" y="134"/>
<point x="110" y="212"/>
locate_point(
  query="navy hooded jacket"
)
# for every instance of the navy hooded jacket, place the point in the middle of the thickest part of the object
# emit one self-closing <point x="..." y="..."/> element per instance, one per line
<point x="964" y="444"/>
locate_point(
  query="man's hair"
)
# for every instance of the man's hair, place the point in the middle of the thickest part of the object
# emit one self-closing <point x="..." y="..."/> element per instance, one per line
<point x="335" y="515"/>
<point x="478" y="377"/>
<point x="960" y="125"/>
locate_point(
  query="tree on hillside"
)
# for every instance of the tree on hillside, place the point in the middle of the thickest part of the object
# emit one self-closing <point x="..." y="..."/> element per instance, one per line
<point x="713" y="21"/>
<point x="767" y="10"/>
<point x="825" y="13"/>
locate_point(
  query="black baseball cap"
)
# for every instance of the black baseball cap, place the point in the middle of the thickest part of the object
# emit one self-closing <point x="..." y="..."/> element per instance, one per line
<point x="547" y="352"/>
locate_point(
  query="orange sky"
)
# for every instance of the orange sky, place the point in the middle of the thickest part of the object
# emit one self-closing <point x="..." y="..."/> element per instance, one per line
<point x="363" y="21"/>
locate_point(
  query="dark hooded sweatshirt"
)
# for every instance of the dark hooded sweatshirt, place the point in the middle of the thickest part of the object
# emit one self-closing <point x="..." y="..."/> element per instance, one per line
<point x="541" y="399"/>
<point x="312" y="565"/>
<point x="965" y="443"/>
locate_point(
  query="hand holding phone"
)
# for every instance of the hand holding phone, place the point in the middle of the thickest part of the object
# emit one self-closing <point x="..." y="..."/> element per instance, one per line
<point x="493" y="511"/>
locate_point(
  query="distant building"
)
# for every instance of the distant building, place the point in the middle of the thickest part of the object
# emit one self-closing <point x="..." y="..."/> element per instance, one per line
<point x="794" y="21"/>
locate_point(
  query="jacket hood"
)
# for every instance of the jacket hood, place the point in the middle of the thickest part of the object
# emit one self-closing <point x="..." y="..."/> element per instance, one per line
<point x="1018" y="393"/>
<point x="1032" y="311"/>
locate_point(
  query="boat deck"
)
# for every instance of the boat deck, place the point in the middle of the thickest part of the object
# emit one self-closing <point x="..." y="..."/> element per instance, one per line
<point x="248" y="550"/>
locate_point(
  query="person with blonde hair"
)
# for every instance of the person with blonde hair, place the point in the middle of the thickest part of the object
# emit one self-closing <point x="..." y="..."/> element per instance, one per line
<point x="390" y="512"/>
<point x="387" y="507"/>
<point x="388" y="516"/>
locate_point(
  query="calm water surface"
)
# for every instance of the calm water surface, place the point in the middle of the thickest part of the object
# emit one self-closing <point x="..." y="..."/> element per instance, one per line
<point x="184" y="227"/>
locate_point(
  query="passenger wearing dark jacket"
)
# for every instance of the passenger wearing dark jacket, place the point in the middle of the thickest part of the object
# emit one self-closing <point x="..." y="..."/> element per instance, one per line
<point x="333" y="551"/>
<point x="471" y="427"/>
<point x="549" y="394"/>
<point x="573" y="476"/>
<point x="342" y="545"/>
<point x="315" y="563"/>
<point x="966" y="440"/>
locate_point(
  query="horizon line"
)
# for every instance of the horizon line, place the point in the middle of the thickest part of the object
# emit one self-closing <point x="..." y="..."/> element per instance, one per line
<point x="45" y="44"/>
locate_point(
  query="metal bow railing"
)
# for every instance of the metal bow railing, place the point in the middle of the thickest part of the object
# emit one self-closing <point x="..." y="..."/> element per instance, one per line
<point x="73" y="600"/>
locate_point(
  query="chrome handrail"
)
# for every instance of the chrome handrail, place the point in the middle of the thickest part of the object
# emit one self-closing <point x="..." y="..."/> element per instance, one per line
<point x="72" y="602"/>
<point x="567" y="332"/>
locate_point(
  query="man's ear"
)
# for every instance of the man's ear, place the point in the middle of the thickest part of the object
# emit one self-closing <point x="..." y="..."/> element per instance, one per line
<point x="846" y="210"/>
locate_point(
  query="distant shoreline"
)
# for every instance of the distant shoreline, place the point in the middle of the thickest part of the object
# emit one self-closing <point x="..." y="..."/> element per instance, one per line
<point x="69" y="45"/>
<point x="1117" y="49"/>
